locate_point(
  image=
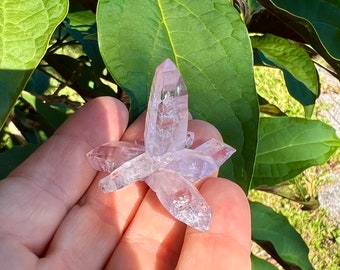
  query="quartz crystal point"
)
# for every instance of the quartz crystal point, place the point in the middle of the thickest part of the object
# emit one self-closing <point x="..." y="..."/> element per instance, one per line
<point x="193" y="165"/>
<point x="165" y="163"/>
<point x="166" y="121"/>
<point x="181" y="198"/>
<point x="111" y="155"/>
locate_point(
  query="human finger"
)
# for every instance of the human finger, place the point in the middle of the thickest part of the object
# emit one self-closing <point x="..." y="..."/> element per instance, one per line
<point x="94" y="226"/>
<point x="154" y="238"/>
<point x="227" y="243"/>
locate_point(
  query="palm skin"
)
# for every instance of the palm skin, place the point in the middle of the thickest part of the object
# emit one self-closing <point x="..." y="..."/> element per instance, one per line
<point x="54" y="216"/>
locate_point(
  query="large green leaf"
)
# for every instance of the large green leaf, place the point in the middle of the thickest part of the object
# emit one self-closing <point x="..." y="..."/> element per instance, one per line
<point x="25" y="30"/>
<point x="209" y="44"/>
<point x="274" y="233"/>
<point x="299" y="70"/>
<point x="13" y="157"/>
<point x="288" y="145"/>
<point x="316" y="21"/>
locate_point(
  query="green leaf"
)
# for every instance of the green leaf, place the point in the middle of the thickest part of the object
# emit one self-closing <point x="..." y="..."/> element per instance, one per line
<point x="289" y="145"/>
<point x="317" y="22"/>
<point x="273" y="232"/>
<point x="53" y="117"/>
<point x="300" y="92"/>
<point x="80" y="77"/>
<point x="254" y="6"/>
<point x="259" y="264"/>
<point x="82" y="24"/>
<point x="300" y="74"/>
<point x="209" y="43"/>
<point x="38" y="83"/>
<point x="25" y="30"/>
<point x="293" y="192"/>
<point x="11" y="158"/>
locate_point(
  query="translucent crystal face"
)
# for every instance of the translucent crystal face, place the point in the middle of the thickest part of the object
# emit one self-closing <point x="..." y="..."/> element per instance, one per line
<point x="166" y="165"/>
<point x="167" y="115"/>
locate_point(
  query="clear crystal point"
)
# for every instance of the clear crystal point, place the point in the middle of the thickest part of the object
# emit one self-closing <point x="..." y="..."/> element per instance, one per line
<point x="111" y="155"/>
<point x="167" y="115"/>
<point x="218" y="150"/>
<point x="181" y="199"/>
<point x="129" y="172"/>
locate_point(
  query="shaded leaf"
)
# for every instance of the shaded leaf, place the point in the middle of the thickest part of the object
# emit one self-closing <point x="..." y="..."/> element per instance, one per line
<point x="209" y="44"/>
<point x="300" y="92"/>
<point x="270" y="109"/>
<point x="293" y="192"/>
<point x="13" y="157"/>
<point x="53" y="117"/>
<point x="38" y="83"/>
<point x="260" y="264"/>
<point x="273" y="232"/>
<point x="318" y="24"/>
<point x="81" y="25"/>
<point x="25" y="30"/>
<point x="288" y="145"/>
<point x="80" y="77"/>
<point x="300" y="73"/>
<point x="254" y="6"/>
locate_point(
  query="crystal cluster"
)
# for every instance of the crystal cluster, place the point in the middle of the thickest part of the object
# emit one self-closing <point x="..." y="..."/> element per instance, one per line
<point x="165" y="162"/>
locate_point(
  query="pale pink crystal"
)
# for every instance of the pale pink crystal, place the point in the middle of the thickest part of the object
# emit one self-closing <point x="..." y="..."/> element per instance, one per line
<point x="193" y="165"/>
<point x="181" y="198"/>
<point x="111" y="155"/>
<point x="166" y="166"/>
<point x="166" y="122"/>
<point x="218" y="150"/>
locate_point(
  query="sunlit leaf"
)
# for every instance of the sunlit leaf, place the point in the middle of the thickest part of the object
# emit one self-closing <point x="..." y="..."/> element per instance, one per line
<point x="273" y="232"/>
<point x="25" y="30"/>
<point x="289" y="145"/>
<point x="300" y="74"/>
<point x="316" y="21"/>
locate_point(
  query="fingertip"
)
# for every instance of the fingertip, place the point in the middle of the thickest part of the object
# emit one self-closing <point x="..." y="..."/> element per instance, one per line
<point x="230" y="207"/>
<point x="135" y="132"/>
<point x="226" y="245"/>
<point x="203" y="131"/>
<point x="105" y="116"/>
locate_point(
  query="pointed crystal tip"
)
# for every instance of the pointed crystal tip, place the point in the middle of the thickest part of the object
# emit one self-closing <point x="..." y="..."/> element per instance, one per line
<point x="166" y="66"/>
<point x="168" y="80"/>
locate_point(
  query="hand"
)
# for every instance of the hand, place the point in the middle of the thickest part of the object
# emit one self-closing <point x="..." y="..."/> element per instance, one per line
<point x="54" y="216"/>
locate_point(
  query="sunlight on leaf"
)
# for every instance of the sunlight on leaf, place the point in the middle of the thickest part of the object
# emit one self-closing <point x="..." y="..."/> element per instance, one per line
<point x="299" y="70"/>
<point x="318" y="24"/>
<point x="25" y="30"/>
<point x="288" y="146"/>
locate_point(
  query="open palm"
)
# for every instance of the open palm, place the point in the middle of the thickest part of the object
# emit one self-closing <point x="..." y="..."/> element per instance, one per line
<point x="54" y="216"/>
